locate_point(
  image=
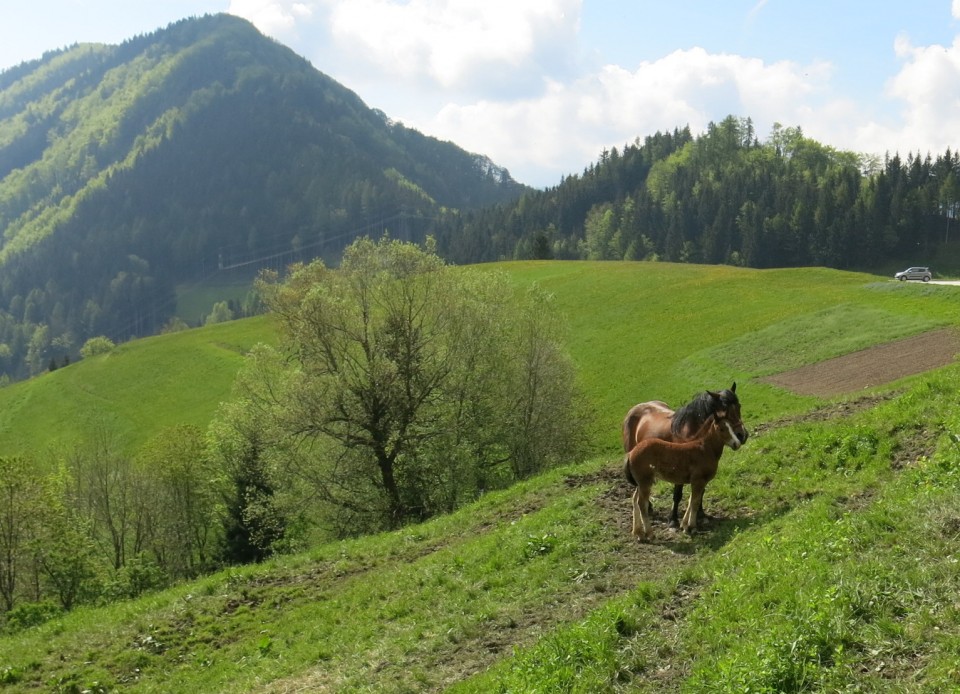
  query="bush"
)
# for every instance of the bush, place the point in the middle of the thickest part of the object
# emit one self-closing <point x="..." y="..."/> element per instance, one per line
<point x="402" y="389"/>
<point x="97" y="345"/>
<point x="138" y="576"/>
<point x="31" y="614"/>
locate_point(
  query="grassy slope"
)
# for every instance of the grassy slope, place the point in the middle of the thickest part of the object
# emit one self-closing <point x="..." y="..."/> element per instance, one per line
<point x="639" y="331"/>
<point x="135" y="391"/>
<point x="195" y="301"/>
<point x="541" y="587"/>
<point x="657" y="331"/>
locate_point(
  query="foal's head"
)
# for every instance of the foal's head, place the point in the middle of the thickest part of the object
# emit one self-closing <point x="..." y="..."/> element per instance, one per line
<point x="718" y="424"/>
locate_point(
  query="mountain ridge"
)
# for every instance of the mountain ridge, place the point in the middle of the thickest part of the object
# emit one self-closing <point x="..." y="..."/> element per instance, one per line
<point x="125" y="169"/>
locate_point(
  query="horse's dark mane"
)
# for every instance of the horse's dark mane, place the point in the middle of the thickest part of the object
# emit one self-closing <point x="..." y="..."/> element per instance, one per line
<point x="695" y="412"/>
<point x="704" y="429"/>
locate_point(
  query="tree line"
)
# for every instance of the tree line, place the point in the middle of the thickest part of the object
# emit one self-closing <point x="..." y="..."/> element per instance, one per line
<point x="725" y="197"/>
<point x="402" y="389"/>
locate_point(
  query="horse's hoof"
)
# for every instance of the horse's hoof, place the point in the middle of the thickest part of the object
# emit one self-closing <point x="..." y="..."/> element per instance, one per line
<point x="673" y="523"/>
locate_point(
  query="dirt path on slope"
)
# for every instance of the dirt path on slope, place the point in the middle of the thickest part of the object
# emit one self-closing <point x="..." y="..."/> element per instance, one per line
<point x="873" y="366"/>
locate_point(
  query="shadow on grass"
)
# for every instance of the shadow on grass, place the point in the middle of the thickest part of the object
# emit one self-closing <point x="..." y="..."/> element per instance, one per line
<point x="723" y="529"/>
<point x="716" y="533"/>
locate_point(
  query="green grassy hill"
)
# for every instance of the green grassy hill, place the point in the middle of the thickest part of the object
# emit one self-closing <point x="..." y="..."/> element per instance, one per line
<point x="135" y="391"/>
<point x="638" y="331"/>
<point x="832" y="564"/>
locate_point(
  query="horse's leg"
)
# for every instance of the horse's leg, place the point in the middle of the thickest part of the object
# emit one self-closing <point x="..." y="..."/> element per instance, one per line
<point x="703" y="516"/>
<point x="645" y="509"/>
<point x="629" y="476"/>
<point x="689" y="523"/>
<point x="677" y="498"/>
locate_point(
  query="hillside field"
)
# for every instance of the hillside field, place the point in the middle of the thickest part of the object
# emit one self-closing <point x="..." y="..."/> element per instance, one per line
<point x="831" y="563"/>
<point x="135" y="391"/>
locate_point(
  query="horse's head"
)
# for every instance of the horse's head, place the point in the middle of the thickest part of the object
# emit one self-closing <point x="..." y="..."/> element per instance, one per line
<point x="726" y="418"/>
<point x="688" y="418"/>
<point x="728" y="400"/>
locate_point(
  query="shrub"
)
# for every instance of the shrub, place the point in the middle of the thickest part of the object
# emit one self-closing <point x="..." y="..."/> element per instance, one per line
<point x="31" y="614"/>
<point x="97" y="345"/>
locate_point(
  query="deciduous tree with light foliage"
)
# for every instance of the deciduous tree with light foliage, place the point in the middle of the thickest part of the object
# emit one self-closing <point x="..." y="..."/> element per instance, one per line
<point x="404" y="386"/>
<point x="21" y="522"/>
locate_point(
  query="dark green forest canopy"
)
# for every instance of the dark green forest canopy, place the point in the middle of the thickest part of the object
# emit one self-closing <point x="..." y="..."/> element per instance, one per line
<point x="725" y="196"/>
<point x="203" y="146"/>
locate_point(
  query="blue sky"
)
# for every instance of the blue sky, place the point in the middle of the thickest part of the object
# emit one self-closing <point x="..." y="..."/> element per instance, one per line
<point x="543" y="86"/>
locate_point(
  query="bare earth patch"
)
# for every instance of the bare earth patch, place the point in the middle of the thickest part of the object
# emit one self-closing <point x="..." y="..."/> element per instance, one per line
<point x="873" y="366"/>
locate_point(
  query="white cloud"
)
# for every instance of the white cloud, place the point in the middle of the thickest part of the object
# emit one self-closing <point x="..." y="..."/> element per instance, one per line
<point x="508" y="78"/>
<point x="277" y="18"/>
<point x="459" y="44"/>
<point x="756" y="9"/>
<point x="928" y="86"/>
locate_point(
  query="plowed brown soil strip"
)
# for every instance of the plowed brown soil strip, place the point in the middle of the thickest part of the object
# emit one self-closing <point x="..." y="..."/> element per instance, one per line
<point x="872" y="367"/>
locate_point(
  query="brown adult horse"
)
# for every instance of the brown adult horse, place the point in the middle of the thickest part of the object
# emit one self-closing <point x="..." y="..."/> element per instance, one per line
<point x="692" y="462"/>
<point x="656" y="420"/>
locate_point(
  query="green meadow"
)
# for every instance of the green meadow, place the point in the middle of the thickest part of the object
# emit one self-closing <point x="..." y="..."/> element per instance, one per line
<point x="134" y="392"/>
<point x="195" y="301"/>
<point x="831" y="565"/>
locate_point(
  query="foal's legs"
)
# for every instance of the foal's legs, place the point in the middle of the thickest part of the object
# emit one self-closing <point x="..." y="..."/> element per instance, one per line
<point x="674" y="522"/>
<point x="637" y="517"/>
<point x="642" y="526"/>
<point x="689" y="523"/>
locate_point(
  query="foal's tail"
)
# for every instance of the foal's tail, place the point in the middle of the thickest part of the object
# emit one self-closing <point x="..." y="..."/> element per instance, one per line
<point x="626" y="470"/>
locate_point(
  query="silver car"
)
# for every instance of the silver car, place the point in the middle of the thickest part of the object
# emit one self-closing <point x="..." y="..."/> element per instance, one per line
<point x="914" y="273"/>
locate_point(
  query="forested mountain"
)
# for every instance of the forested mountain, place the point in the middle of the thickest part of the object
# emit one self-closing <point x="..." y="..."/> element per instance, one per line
<point x="726" y="197"/>
<point x="126" y="169"/>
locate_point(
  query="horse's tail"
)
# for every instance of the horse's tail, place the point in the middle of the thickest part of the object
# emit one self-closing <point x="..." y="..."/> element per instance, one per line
<point x="629" y="430"/>
<point x="630" y="439"/>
